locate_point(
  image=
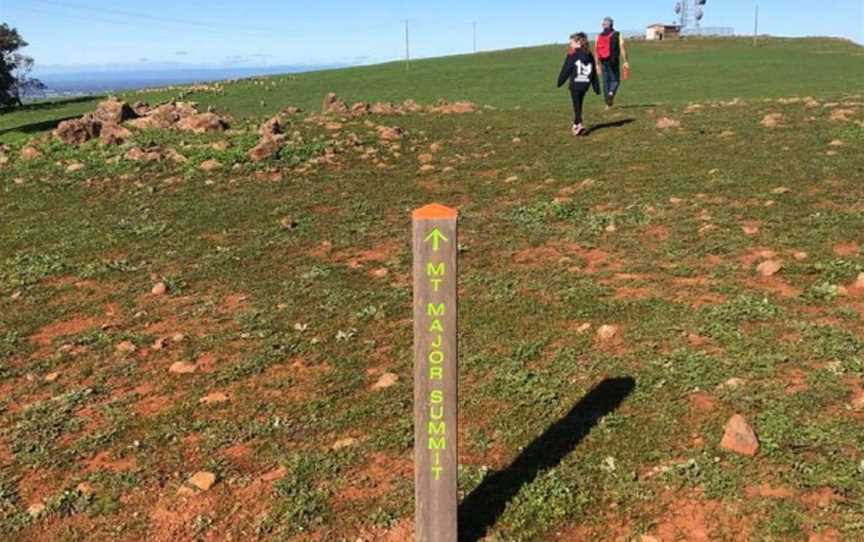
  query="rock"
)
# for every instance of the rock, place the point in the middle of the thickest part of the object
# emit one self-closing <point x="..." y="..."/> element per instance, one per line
<point x="664" y="123"/>
<point x="137" y="154"/>
<point x="389" y="133"/>
<point x="739" y="437"/>
<point x="436" y="147"/>
<point x="126" y="347"/>
<point x="727" y="133"/>
<point x="781" y="190"/>
<point x="772" y="120"/>
<point x="202" y="123"/>
<point x="360" y="109"/>
<point x="836" y="143"/>
<point x="160" y="288"/>
<point x="141" y="108"/>
<point x="74" y="166"/>
<point x="800" y="256"/>
<point x="113" y="134"/>
<point x="202" y="480"/>
<point x="732" y="383"/>
<point x="86" y="488"/>
<point x="385" y="381"/>
<point x="456" y="108"/>
<point x="411" y="106"/>
<point x="210" y="165"/>
<point x="383" y="108"/>
<point x="750" y="230"/>
<point x="51" y="377"/>
<point x="175" y="156"/>
<point x="267" y="147"/>
<point x="35" y="509"/>
<point x="182" y="367"/>
<point x="214" y="398"/>
<point x="78" y="131"/>
<point x="333" y="105"/>
<point x="607" y="332"/>
<point x="425" y="158"/>
<point x="841" y="115"/>
<point x="769" y="267"/>
<point x="343" y="443"/>
<point x="178" y="338"/>
<point x="271" y="127"/>
<point x="113" y="111"/>
<point x="380" y="273"/>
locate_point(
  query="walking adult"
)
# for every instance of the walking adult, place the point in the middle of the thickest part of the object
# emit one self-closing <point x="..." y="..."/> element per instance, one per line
<point x="611" y="56"/>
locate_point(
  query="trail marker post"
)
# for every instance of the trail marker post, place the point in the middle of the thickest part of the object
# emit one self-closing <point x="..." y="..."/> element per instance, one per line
<point x="435" y="373"/>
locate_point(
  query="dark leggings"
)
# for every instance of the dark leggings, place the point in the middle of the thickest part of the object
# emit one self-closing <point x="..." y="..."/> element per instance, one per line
<point x="578" y="97"/>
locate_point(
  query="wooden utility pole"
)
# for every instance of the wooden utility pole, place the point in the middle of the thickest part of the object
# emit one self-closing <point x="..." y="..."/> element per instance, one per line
<point x="474" y="27"/>
<point x="407" y="47"/>
<point x="435" y="373"/>
<point x="756" y="27"/>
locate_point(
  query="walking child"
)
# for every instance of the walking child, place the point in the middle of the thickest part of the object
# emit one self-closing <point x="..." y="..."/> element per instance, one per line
<point x="580" y="69"/>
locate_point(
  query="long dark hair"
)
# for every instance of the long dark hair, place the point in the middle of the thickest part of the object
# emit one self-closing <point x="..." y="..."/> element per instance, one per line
<point x="582" y="38"/>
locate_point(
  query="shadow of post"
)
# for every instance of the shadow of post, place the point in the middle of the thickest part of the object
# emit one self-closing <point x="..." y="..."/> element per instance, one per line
<point x="482" y="507"/>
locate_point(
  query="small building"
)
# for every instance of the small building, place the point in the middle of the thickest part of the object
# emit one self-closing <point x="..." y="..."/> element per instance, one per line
<point x="660" y="32"/>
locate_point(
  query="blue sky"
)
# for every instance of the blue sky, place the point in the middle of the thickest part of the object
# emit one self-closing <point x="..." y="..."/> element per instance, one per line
<point x="218" y="33"/>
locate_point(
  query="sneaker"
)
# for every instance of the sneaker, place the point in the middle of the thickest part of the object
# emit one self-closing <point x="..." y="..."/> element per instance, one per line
<point x="611" y="100"/>
<point x="575" y="130"/>
<point x="579" y="130"/>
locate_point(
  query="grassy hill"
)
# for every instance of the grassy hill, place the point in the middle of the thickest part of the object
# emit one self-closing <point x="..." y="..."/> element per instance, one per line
<point x="685" y="274"/>
<point x="663" y="72"/>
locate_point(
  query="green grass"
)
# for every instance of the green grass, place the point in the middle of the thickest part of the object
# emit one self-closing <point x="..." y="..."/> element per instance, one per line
<point x="275" y="283"/>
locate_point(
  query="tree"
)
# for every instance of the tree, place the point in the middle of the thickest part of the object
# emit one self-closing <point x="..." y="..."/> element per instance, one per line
<point x="15" y="68"/>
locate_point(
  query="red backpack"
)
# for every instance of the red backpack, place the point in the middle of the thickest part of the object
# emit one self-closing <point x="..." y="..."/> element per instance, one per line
<point x="604" y="46"/>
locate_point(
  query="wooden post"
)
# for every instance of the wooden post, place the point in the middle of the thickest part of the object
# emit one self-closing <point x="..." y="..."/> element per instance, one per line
<point x="435" y="374"/>
<point x="756" y="27"/>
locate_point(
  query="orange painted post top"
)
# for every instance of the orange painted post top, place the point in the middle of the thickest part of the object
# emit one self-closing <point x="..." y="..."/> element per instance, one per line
<point x="434" y="211"/>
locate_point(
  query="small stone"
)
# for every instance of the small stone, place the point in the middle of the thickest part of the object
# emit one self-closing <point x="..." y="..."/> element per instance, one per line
<point x="385" y="381"/>
<point x="836" y="143"/>
<point x="86" y="488"/>
<point x="178" y="338"/>
<point x="675" y="201"/>
<point x="126" y="347"/>
<point x="182" y="367"/>
<point x="511" y="179"/>
<point x="517" y="140"/>
<point x="380" y="273"/>
<point x="160" y="288"/>
<point x="275" y="474"/>
<point x="750" y="230"/>
<point x="739" y="437"/>
<point x="51" y="377"/>
<point x="769" y="267"/>
<point x="343" y="443"/>
<point x="583" y="328"/>
<point x="607" y="332"/>
<point x="781" y="190"/>
<point x="425" y="158"/>
<point x="214" y="397"/>
<point x="210" y="165"/>
<point x="73" y="167"/>
<point x="800" y="256"/>
<point x="35" y="509"/>
<point x="202" y="480"/>
<point x="732" y="383"/>
<point x="426" y="168"/>
<point x="435" y="148"/>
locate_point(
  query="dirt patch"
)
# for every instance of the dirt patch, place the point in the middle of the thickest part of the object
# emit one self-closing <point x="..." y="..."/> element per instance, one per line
<point x="104" y="461"/>
<point x="846" y="249"/>
<point x="46" y="335"/>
